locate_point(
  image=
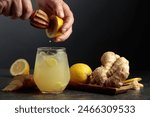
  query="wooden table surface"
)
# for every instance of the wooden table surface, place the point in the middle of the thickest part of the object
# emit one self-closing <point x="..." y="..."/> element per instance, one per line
<point x="143" y="94"/>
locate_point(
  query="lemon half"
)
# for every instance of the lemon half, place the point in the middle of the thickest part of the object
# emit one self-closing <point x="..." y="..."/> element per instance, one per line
<point x="55" y="24"/>
<point x="20" y="67"/>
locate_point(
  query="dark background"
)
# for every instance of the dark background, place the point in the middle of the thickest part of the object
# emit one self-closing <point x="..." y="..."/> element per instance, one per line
<point x="121" y="26"/>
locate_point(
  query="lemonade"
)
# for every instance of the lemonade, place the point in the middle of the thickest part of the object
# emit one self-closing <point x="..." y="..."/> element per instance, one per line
<point x="51" y="72"/>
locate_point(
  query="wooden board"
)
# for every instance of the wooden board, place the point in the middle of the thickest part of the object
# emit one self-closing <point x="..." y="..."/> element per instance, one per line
<point x="97" y="89"/>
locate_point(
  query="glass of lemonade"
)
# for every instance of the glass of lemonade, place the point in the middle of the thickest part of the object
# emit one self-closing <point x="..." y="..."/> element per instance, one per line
<point x="51" y="70"/>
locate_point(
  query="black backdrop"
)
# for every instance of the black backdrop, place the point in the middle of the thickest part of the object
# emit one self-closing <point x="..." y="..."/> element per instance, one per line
<point x="121" y="26"/>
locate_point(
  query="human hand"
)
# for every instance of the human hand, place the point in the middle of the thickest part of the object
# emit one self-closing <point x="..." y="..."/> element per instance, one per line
<point x="16" y="8"/>
<point x="61" y="9"/>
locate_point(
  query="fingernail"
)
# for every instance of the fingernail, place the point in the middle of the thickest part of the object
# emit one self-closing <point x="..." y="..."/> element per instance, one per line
<point x="61" y="14"/>
<point x="64" y="30"/>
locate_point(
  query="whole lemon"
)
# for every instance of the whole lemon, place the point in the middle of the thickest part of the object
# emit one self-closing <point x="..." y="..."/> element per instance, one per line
<point x="79" y="72"/>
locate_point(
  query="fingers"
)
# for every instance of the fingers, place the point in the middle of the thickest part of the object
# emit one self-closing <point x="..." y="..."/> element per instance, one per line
<point x="6" y="7"/>
<point x="67" y="26"/>
<point x="56" y="7"/>
<point x="62" y="10"/>
<point x="1" y="7"/>
<point x="68" y="19"/>
<point x="64" y="36"/>
<point x="16" y="8"/>
<point x="59" y="12"/>
<point x="27" y="9"/>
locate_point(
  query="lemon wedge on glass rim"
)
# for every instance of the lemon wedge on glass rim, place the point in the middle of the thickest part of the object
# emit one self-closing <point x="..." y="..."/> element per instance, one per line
<point x="55" y="25"/>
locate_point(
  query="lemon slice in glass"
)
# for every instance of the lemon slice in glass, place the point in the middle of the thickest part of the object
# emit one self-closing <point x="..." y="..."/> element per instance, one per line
<point x="50" y="61"/>
<point x="55" y="25"/>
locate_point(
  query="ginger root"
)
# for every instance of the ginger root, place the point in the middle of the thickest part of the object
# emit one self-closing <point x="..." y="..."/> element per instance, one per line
<point x="112" y="72"/>
<point x="20" y="82"/>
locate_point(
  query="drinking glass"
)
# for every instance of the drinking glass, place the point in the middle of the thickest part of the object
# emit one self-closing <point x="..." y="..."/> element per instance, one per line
<point x="51" y="70"/>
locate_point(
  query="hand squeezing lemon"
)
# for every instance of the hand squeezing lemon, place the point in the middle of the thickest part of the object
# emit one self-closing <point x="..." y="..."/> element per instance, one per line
<point x="54" y="27"/>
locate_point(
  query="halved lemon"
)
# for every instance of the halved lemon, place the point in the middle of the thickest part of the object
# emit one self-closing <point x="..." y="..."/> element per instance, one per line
<point x="20" y="67"/>
<point x="54" y="27"/>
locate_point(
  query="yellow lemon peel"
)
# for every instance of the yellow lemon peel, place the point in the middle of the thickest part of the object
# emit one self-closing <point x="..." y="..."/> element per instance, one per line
<point x="20" y="67"/>
<point x="55" y="25"/>
<point x="79" y="72"/>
